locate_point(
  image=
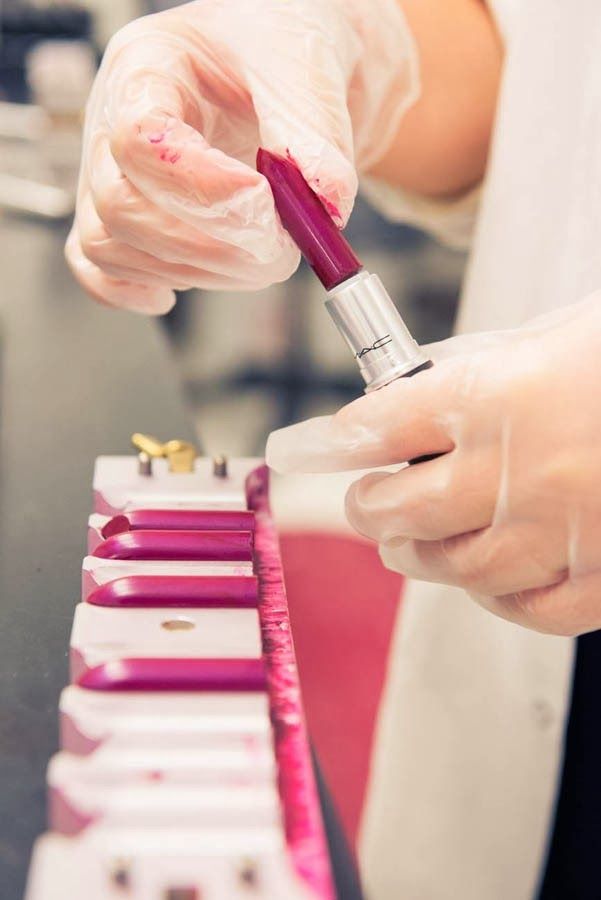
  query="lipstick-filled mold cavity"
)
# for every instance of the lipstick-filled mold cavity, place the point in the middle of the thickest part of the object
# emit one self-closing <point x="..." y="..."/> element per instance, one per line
<point x="177" y="545"/>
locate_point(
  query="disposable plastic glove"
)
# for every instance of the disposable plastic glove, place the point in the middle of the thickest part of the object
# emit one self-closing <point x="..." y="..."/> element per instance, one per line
<point x="512" y="510"/>
<point x="169" y="196"/>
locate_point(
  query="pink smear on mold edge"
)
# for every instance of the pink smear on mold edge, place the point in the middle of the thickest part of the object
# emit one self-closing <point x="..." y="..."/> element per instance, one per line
<point x="102" y="506"/>
<point x="302" y="812"/>
<point x="63" y="817"/>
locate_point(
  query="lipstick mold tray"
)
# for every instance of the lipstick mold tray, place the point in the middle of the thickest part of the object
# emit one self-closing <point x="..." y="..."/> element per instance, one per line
<point x="251" y="764"/>
<point x="179" y="592"/>
<point x="165" y="787"/>
<point x="102" y="635"/>
<point x="102" y="528"/>
<point x="186" y="720"/>
<point x="165" y="864"/>
<point x="74" y="804"/>
<point x="118" y="486"/>
<point x="95" y="572"/>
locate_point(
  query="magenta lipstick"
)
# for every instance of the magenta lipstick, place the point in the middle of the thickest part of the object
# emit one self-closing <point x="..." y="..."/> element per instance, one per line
<point x="215" y="546"/>
<point x="306" y="220"/>
<point x="357" y="301"/>
<point x="180" y="520"/>
<point x="179" y="591"/>
<point x="181" y="674"/>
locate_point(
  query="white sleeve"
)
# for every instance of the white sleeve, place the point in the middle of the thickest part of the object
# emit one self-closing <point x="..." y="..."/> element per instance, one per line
<point x="451" y="221"/>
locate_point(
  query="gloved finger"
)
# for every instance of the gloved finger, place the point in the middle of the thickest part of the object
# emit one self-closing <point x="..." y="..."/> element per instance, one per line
<point x="468" y="345"/>
<point x="124" y="262"/>
<point x="409" y="418"/>
<point x="150" y="299"/>
<point x="154" y="113"/>
<point x="116" y="261"/>
<point x="172" y="164"/>
<point x="136" y="221"/>
<point x="493" y="561"/>
<point x="427" y="502"/>
<point x="569" y="607"/>
<point x="202" y="186"/>
<point x="303" y="113"/>
<point x="474" y="344"/>
<point x="114" y="258"/>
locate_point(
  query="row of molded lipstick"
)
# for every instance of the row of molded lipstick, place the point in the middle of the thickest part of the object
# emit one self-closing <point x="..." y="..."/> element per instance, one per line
<point x="169" y="781"/>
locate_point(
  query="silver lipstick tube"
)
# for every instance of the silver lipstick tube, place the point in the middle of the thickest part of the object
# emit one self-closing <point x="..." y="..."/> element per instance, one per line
<point x="370" y="323"/>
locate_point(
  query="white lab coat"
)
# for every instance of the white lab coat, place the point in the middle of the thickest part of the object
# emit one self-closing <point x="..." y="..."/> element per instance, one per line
<point x="469" y="742"/>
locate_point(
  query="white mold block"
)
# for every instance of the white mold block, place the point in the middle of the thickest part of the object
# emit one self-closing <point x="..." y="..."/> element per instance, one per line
<point x="164" y="864"/>
<point x="90" y="719"/>
<point x="106" y="634"/>
<point x="119" y="487"/>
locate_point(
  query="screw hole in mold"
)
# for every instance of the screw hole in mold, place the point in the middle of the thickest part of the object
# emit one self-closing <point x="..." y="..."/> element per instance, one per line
<point x="179" y="624"/>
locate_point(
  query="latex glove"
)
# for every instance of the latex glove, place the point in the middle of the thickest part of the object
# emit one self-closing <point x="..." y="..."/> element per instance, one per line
<point x="512" y="511"/>
<point x="169" y="196"/>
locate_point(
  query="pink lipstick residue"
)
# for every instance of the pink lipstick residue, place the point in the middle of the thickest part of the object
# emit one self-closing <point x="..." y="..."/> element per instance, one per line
<point x="170" y="156"/>
<point x="166" y="155"/>
<point x="302" y="813"/>
<point x="331" y="207"/>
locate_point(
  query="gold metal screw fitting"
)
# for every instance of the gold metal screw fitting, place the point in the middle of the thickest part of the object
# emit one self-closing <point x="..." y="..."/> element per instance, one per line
<point x="180" y="455"/>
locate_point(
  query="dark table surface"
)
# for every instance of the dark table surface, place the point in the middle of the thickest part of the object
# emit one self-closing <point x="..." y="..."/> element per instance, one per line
<point x="76" y="380"/>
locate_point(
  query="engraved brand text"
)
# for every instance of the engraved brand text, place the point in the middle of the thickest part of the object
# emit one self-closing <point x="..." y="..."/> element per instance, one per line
<point x="377" y="345"/>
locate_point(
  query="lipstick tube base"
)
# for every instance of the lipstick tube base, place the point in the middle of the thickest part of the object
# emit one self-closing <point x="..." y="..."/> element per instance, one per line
<point x="371" y="325"/>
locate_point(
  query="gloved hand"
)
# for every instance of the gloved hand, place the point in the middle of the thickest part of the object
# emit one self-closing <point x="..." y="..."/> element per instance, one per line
<point x="512" y="511"/>
<point x="169" y="196"/>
